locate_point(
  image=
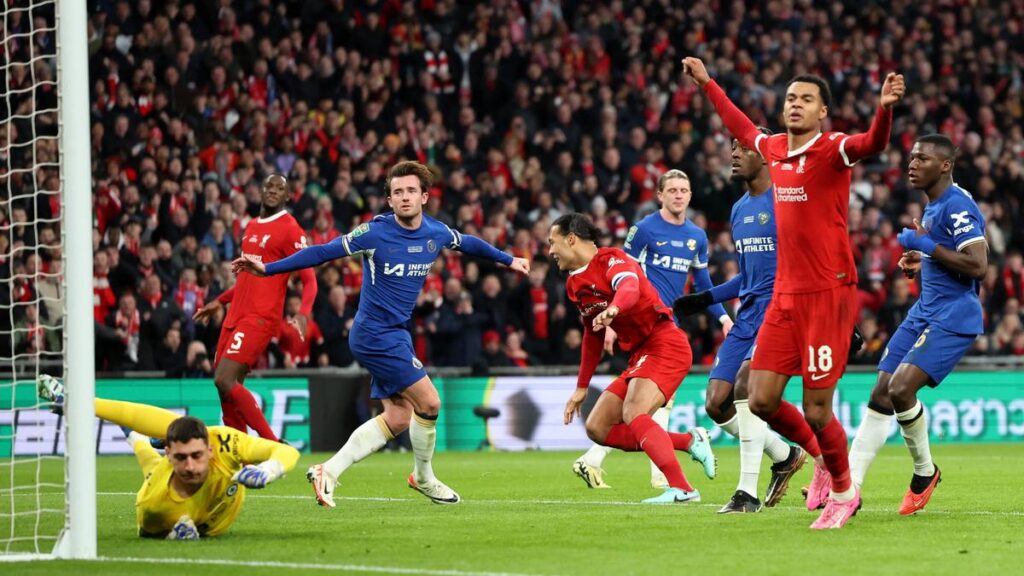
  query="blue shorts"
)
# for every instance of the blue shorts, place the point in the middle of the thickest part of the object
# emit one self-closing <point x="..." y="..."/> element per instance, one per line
<point x="934" y="350"/>
<point x="739" y="344"/>
<point x="388" y="354"/>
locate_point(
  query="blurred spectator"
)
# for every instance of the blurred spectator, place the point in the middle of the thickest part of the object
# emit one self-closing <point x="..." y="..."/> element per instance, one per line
<point x="299" y="349"/>
<point x="170" y="355"/>
<point x="197" y="363"/>
<point x="335" y="323"/>
<point x="455" y="328"/>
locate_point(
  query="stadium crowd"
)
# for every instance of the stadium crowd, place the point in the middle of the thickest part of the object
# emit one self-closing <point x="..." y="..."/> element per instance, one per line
<point x="527" y="110"/>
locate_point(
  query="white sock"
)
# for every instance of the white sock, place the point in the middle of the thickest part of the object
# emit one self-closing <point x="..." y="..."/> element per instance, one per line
<point x="371" y="436"/>
<point x="871" y="435"/>
<point x="660" y="417"/>
<point x="914" y="427"/>
<point x="423" y="435"/>
<point x="596" y="455"/>
<point x="732" y="425"/>
<point x="775" y="448"/>
<point x="752" y="432"/>
<point x="846" y="495"/>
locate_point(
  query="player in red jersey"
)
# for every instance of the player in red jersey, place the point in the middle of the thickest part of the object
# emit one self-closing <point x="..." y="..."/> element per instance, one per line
<point x="609" y="289"/>
<point x="809" y="323"/>
<point x="257" y="304"/>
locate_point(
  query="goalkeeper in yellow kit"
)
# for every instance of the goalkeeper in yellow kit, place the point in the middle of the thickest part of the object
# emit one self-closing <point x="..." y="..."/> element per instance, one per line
<point x="198" y="488"/>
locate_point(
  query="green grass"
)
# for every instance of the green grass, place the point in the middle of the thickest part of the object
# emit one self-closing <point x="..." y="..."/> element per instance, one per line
<point x="525" y="513"/>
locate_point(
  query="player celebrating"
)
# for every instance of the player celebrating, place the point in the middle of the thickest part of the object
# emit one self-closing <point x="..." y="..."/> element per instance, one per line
<point x="254" y="317"/>
<point x="610" y="289"/>
<point x="949" y="249"/>
<point x="199" y="488"/>
<point x="400" y="249"/>
<point x="753" y="231"/>
<point x="808" y="325"/>
<point x="668" y="247"/>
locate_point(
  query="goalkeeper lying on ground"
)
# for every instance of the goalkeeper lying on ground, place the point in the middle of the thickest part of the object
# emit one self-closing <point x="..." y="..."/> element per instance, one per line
<point x="198" y="489"/>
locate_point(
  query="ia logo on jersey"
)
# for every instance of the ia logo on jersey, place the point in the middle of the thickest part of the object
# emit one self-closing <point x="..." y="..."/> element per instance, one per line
<point x="763" y="218"/>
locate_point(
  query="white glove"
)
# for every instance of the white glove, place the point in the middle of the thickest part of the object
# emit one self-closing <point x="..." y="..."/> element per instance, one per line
<point x="185" y="529"/>
<point x="260" y="475"/>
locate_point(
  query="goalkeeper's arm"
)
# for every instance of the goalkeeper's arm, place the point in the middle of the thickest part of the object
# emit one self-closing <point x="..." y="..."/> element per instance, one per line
<point x="263" y="461"/>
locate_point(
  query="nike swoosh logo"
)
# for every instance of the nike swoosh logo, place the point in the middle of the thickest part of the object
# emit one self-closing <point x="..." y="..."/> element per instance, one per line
<point x="661" y="243"/>
<point x="232" y="351"/>
<point x="775" y="163"/>
<point x="817" y="377"/>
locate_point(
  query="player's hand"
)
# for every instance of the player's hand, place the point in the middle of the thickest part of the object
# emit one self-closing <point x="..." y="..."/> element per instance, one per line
<point x="204" y="314"/>
<point x="609" y="340"/>
<point x="856" y="343"/>
<point x="893" y="89"/>
<point x="916" y="238"/>
<point x="300" y="322"/>
<point x="521" y="265"/>
<point x="726" y="325"/>
<point x="574" y="406"/>
<point x="910" y="264"/>
<point x="605" y="318"/>
<point x="184" y="529"/>
<point x="260" y="475"/>
<point x="245" y="264"/>
<point x="691" y="304"/>
<point x="694" y="68"/>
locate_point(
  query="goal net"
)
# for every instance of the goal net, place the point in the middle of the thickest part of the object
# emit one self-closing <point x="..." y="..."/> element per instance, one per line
<point x="36" y="284"/>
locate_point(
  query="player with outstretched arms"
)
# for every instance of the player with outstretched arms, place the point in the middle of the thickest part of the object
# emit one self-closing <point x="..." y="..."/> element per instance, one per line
<point x="753" y="231"/>
<point x="610" y="289"/>
<point x="669" y="248"/>
<point x="948" y="248"/>
<point x="197" y="490"/>
<point x="808" y="325"/>
<point x="399" y="250"/>
<point x="256" y="307"/>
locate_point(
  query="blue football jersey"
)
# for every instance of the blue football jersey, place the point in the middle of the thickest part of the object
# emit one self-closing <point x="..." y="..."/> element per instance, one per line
<point x="667" y="253"/>
<point x="396" y="262"/>
<point x="950" y="299"/>
<point x="753" y="231"/>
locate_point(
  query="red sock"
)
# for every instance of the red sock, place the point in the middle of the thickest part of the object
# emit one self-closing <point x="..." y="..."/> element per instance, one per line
<point x="681" y="441"/>
<point x="621" y="437"/>
<point x="789" y="422"/>
<point x="230" y="413"/>
<point x="250" y="412"/>
<point x="656" y="443"/>
<point x="832" y="439"/>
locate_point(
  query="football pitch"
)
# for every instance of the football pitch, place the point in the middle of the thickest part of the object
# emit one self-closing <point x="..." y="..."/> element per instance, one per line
<point x="526" y="513"/>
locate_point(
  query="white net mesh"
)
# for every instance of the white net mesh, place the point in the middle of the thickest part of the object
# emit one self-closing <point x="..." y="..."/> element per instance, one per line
<point x="32" y="504"/>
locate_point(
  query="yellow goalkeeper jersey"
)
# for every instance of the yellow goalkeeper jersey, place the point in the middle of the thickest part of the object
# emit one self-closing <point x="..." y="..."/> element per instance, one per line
<point x="215" y="506"/>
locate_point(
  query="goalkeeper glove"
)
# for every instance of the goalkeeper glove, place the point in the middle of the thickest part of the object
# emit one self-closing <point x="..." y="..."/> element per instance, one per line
<point x="692" y="303"/>
<point x="856" y="342"/>
<point x="185" y="529"/>
<point x="910" y="240"/>
<point x="260" y="475"/>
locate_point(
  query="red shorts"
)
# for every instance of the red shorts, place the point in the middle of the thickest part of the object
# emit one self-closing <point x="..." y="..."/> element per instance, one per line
<point x="664" y="358"/>
<point x="246" y="341"/>
<point x="808" y="335"/>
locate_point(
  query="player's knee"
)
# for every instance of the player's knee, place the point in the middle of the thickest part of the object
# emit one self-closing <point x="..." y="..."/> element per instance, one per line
<point x="713" y="406"/>
<point x="430" y="407"/>
<point x="880" y="394"/>
<point x="740" y="391"/>
<point x="763" y="407"/>
<point x="224" y="382"/>
<point x="901" y="391"/>
<point x="596" y="431"/>
<point x="817" y="416"/>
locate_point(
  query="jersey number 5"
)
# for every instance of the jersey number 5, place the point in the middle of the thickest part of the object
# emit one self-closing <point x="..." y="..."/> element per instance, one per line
<point x="824" y="359"/>
<point x="236" y="342"/>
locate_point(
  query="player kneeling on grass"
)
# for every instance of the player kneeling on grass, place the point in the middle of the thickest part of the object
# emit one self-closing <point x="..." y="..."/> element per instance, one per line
<point x="198" y="489"/>
<point x="950" y="251"/>
<point x="610" y="289"/>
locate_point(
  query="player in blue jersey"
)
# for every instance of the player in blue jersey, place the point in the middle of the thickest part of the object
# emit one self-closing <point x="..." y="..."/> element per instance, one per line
<point x="399" y="249"/>
<point x="753" y="231"/>
<point x="949" y="250"/>
<point x="669" y="248"/>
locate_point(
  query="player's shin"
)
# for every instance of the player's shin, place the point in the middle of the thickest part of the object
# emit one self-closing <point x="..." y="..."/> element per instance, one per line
<point x="596" y="455"/>
<point x="832" y="439"/>
<point x="369" y="437"/>
<point x="871" y="435"/>
<point x="914" y="427"/>
<point x="789" y="422"/>
<point x="423" y="435"/>
<point x="251" y="412"/>
<point x="660" y="416"/>
<point x="752" y="433"/>
<point x="656" y="443"/>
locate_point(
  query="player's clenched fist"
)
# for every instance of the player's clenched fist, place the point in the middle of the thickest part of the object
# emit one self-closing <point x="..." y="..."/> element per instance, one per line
<point x="605" y="318"/>
<point x="694" y="68"/>
<point x="521" y="265"/>
<point x="893" y="89"/>
<point x="243" y="264"/>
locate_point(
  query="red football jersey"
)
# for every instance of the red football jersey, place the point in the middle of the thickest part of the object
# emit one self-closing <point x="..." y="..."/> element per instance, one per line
<point x="265" y="240"/>
<point x="812" y="199"/>
<point x="592" y="289"/>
